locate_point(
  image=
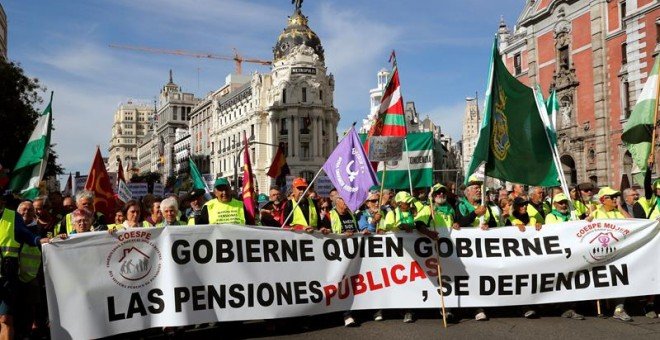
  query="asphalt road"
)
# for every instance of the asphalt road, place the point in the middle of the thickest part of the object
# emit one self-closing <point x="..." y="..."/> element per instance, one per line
<point x="504" y="324"/>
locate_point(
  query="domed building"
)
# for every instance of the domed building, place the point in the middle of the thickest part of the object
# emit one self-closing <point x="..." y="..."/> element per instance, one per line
<point x="291" y="106"/>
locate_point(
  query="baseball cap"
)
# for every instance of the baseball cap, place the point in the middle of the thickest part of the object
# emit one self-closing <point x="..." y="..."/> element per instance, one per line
<point x="560" y="197"/>
<point x="586" y="186"/>
<point x="473" y="180"/>
<point x="403" y="196"/>
<point x="299" y="182"/>
<point x="607" y="191"/>
<point x="221" y="182"/>
<point x="437" y="187"/>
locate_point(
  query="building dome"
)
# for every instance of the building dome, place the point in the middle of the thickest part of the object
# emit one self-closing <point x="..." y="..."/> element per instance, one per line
<point x="297" y="33"/>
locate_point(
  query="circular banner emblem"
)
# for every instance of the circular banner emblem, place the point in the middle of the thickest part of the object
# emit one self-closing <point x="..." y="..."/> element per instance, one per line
<point x="135" y="262"/>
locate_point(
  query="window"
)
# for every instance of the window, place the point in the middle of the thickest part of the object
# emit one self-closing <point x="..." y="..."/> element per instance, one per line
<point x="625" y="97"/>
<point x="321" y="95"/>
<point x="283" y="129"/>
<point x="517" y="64"/>
<point x="624" y="53"/>
<point x="563" y="57"/>
<point x="175" y="113"/>
<point x="657" y="31"/>
<point x="304" y="94"/>
<point x="304" y="150"/>
<point x="622" y="14"/>
<point x="283" y="96"/>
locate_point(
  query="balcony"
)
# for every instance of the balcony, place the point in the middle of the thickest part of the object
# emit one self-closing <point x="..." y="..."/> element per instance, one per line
<point x="284" y="132"/>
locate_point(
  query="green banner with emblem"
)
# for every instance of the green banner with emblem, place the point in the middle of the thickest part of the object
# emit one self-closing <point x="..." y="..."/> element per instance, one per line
<point x="512" y="138"/>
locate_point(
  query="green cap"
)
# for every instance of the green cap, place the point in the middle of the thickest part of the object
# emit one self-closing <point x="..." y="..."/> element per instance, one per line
<point x="221" y="182"/>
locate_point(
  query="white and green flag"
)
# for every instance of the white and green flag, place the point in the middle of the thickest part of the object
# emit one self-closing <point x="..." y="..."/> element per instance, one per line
<point x="552" y="105"/>
<point x="638" y="130"/>
<point x="420" y="157"/>
<point x="31" y="166"/>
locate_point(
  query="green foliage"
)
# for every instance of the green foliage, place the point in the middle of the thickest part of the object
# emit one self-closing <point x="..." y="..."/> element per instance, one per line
<point x="18" y="96"/>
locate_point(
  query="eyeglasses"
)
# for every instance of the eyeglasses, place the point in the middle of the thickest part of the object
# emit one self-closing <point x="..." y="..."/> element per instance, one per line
<point x="562" y="202"/>
<point x="372" y="201"/>
<point x="301" y="188"/>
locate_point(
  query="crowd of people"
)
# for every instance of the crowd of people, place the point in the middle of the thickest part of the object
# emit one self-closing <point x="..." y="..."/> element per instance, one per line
<point x="25" y="225"/>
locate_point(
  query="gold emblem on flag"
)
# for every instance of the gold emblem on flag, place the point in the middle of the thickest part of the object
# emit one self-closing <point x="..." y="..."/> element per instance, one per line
<point x="500" y="141"/>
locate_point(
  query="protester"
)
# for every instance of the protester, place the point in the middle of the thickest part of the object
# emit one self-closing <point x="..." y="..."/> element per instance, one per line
<point x="82" y="220"/>
<point x="305" y="214"/>
<point x="13" y="234"/>
<point x="372" y="218"/>
<point x="132" y="217"/>
<point x="520" y="217"/>
<point x="271" y="214"/>
<point x="195" y="199"/>
<point x="169" y="208"/>
<point x="560" y="211"/>
<point x="325" y="205"/>
<point x="584" y="206"/>
<point x="84" y="200"/>
<point x="156" y="215"/>
<point x="650" y="202"/>
<point x="223" y="209"/>
<point x="630" y="206"/>
<point x="45" y="219"/>
<point x="538" y="208"/>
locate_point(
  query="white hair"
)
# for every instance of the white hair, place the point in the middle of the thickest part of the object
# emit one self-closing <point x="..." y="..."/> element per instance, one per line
<point x="85" y="194"/>
<point x="169" y="202"/>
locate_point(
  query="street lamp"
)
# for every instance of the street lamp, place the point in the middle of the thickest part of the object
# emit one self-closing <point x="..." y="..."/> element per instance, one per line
<point x="238" y="154"/>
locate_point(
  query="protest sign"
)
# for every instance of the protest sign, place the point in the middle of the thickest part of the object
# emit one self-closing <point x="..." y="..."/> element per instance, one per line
<point x="100" y="285"/>
<point x="79" y="184"/>
<point x="385" y="148"/>
<point x="138" y="190"/>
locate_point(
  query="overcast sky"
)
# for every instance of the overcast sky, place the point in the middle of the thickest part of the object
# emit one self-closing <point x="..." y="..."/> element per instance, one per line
<point x="442" y="49"/>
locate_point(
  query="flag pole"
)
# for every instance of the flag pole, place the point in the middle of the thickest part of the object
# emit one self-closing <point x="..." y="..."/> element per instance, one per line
<point x="405" y="140"/>
<point x="382" y="179"/>
<point x="301" y="197"/>
<point x="442" y="294"/>
<point x="543" y="114"/>
<point x="655" y="121"/>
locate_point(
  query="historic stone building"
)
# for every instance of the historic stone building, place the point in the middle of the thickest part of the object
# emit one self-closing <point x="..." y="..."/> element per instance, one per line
<point x="471" y="125"/>
<point x="291" y="106"/>
<point x="597" y="55"/>
<point x="130" y="125"/>
<point x="174" y="111"/>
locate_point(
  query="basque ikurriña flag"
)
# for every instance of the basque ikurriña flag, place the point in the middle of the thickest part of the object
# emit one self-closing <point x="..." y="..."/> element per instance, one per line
<point x="391" y="120"/>
<point x="349" y="170"/>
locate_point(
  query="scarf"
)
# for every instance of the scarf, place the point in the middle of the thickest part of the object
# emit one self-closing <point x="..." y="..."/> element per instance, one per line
<point x="561" y="216"/>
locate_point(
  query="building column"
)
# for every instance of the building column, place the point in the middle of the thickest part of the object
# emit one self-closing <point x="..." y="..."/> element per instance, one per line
<point x="294" y="120"/>
<point x="290" y="136"/>
<point x="314" y="132"/>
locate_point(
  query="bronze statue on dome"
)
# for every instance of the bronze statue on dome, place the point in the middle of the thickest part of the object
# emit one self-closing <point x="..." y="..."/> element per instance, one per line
<point x="297" y="4"/>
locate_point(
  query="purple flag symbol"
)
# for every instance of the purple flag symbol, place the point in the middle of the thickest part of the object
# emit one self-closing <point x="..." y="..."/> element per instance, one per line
<point x="350" y="171"/>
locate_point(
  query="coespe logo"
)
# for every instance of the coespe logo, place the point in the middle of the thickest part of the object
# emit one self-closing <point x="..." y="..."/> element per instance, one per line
<point x="602" y="239"/>
<point x="135" y="262"/>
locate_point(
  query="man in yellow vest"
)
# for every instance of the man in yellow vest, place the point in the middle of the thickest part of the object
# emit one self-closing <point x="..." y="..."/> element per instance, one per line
<point x="84" y="200"/>
<point x="584" y="206"/>
<point x="223" y="209"/>
<point x="470" y="208"/>
<point x="537" y="207"/>
<point x="305" y="214"/>
<point x="651" y="202"/>
<point x="13" y="233"/>
<point x="442" y="213"/>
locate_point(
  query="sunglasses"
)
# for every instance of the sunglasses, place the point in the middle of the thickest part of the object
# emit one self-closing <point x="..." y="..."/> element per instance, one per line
<point x="325" y="207"/>
<point x="372" y="201"/>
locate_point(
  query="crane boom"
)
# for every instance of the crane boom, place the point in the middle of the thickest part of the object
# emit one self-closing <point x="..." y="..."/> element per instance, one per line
<point x="237" y="58"/>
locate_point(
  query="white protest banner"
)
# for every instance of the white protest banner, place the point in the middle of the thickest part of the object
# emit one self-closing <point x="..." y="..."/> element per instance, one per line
<point x="138" y="190"/>
<point x="123" y="192"/>
<point x="79" y="184"/>
<point x="100" y="285"/>
<point x="159" y="190"/>
<point x="383" y="148"/>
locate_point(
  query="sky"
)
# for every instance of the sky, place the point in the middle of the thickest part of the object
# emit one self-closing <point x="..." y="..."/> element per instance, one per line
<point x="442" y="48"/>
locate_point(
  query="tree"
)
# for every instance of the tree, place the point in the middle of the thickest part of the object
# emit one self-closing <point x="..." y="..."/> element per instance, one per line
<point x="18" y="97"/>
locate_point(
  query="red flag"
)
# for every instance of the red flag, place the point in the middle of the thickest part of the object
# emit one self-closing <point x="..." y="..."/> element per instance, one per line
<point x="98" y="181"/>
<point x="278" y="167"/>
<point x="120" y="173"/>
<point x="68" y="187"/>
<point x="391" y="121"/>
<point x="248" y="185"/>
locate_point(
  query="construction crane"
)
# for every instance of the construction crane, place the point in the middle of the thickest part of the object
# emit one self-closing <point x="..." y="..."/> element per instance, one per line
<point x="237" y="58"/>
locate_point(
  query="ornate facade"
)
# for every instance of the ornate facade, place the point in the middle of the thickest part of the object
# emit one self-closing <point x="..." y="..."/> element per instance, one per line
<point x="130" y="126"/>
<point x="291" y="106"/>
<point x="596" y="55"/>
<point x="471" y="124"/>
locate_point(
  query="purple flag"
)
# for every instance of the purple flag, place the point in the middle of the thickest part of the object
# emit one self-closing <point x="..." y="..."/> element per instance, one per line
<point x="350" y="171"/>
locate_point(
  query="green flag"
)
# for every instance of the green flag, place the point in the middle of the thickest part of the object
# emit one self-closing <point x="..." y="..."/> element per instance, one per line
<point x="198" y="180"/>
<point x="420" y="156"/>
<point x="638" y="130"/>
<point x="31" y="166"/>
<point x="552" y="105"/>
<point x="512" y="138"/>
